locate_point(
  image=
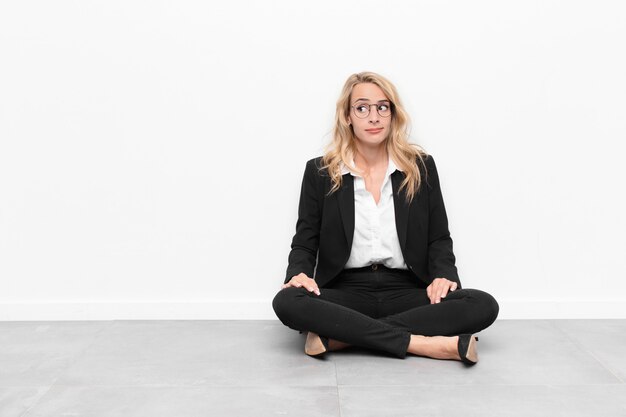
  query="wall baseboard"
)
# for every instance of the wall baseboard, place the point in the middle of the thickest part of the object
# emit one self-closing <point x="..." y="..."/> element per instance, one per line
<point x="262" y="310"/>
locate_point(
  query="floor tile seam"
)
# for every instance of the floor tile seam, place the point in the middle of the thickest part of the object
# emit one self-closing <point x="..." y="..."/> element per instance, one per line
<point x="237" y="386"/>
<point x="337" y="389"/>
<point x="480" y="385"/>
<point x="585" y="349"/>
<point x="72" y="362"/>
<point x="37" y="401"/>
<point x="338" y="400"/>
<point x="80" y="354"/>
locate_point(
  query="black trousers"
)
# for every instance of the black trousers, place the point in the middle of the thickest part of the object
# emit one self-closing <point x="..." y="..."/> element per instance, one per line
<point x="379" y="308"/>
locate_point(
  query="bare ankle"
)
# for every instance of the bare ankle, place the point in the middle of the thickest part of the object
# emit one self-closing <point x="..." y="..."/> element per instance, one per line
<point x="438" y="347"/>
<point x="337" y="345"/>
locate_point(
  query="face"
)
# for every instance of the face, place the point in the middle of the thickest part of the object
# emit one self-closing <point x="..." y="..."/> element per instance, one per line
<point x="373" y="129"/>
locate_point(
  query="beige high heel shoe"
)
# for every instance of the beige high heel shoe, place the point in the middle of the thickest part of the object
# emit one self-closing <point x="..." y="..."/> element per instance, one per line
<point x="315" y="344"/>
<point x="467" y="348"/>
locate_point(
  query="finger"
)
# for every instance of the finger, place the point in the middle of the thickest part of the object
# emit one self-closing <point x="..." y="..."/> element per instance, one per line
<point x="312" y="287"/>
<point x="433" y="289"/>
<point x="444" y="291"/>
<point x="454" y="286"/>
<point x="439" y="292"/>
<point x="433" y="296"/>
<point x="445" y="288"/>
<point x="315" y="288"/>
<point x="429" y="293"/>
<point x="438" y="286"/>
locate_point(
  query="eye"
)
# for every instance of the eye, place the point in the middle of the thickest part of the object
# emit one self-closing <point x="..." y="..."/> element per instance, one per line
<point x="361" y="109"/>
<point x="383" y="107"/>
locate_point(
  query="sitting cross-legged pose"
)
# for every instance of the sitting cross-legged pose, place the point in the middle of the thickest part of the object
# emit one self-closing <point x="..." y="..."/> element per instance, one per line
<point x="371" y="262"/>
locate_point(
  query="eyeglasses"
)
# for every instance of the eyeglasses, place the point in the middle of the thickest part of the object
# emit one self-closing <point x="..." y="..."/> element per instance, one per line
<point x="363" y="110"/>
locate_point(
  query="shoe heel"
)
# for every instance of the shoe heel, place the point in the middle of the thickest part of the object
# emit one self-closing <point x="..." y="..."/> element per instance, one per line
<point x="315" y="344"/>
<point x="467" y="349"/>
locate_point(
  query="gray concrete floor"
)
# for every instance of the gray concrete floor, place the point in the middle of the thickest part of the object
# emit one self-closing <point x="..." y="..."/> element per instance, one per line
<point x="258" y="368"/>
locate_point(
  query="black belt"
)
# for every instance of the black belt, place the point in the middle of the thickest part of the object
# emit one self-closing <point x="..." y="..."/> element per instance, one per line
<point x="376" y="267"/>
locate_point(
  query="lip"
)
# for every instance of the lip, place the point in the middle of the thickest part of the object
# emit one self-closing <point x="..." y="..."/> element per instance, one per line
<point x="377" y="130"/>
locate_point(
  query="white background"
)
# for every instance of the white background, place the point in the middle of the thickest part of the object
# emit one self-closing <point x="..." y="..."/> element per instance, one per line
<point x="151" y="152"/>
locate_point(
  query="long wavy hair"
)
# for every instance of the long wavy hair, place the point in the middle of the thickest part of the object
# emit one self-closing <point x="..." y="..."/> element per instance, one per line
<point x="342" y="147"/>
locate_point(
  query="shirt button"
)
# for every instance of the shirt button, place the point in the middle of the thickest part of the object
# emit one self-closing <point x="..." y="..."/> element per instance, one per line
<point x="375" y="267"/>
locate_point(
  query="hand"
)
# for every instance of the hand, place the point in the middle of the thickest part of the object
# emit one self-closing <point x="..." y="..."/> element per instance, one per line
<point x="439" y="288"/>
<point x="301" y="280"/>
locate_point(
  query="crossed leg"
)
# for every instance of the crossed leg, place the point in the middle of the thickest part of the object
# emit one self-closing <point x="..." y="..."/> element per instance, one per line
<point x="384" y="322"/>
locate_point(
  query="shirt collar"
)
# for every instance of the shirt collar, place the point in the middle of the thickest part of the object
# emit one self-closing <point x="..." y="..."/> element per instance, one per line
<point x="391" y="168"/>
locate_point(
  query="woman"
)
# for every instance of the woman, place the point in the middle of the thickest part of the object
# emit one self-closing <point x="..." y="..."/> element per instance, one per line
<point x="371" y="263"/>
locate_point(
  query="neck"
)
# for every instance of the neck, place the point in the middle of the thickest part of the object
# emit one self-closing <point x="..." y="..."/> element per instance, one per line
<point x="368" y="157"/>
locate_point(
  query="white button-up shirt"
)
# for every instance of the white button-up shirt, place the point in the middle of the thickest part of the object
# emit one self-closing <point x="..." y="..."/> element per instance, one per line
<point x="375" y="236"/>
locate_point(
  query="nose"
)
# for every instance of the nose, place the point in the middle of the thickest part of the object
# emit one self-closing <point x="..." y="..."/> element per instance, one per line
<point x="373" y="117"/>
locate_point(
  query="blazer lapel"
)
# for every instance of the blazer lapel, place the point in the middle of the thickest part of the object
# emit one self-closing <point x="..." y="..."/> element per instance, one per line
<point x="346" y="206"/>
<point x="401" y="207"/>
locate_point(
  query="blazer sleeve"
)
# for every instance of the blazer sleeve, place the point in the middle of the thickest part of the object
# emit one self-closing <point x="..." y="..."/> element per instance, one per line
<point x="441" y="259"/>
<point x="305" y="243"/>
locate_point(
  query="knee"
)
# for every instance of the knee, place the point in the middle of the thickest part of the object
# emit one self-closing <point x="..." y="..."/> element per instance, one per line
<point x="284" y="300"/>
<point x="487" y="306"/>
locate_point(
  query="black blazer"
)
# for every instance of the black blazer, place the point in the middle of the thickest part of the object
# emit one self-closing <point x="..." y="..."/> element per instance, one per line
<point x="325" y="227"/>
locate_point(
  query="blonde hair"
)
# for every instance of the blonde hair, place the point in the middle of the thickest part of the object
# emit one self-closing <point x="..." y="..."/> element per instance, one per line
<point x="342" y="147"/>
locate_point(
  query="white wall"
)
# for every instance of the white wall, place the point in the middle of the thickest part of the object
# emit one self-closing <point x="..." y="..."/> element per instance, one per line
<point x="151" y="152"/>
